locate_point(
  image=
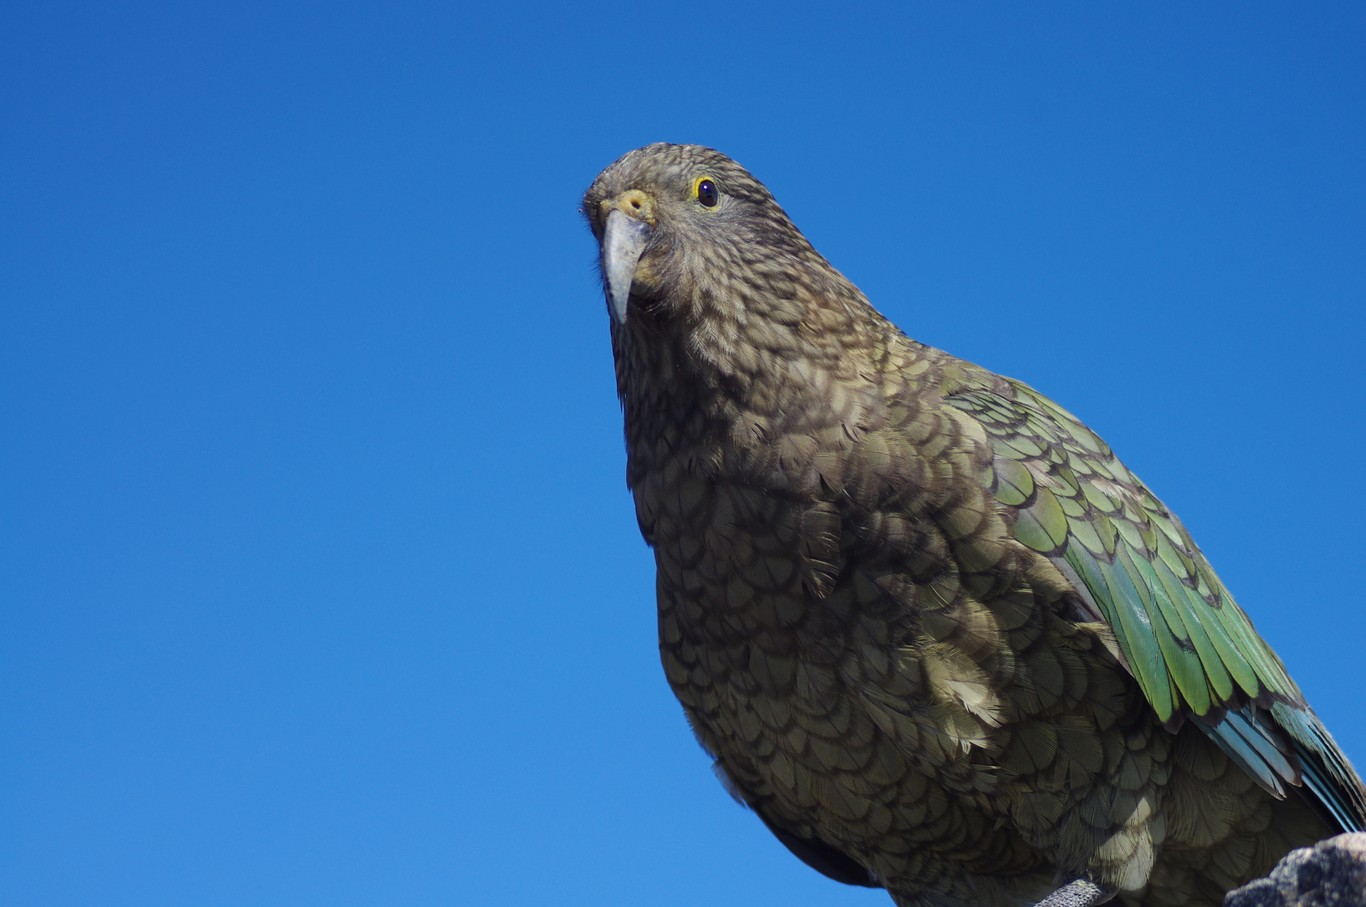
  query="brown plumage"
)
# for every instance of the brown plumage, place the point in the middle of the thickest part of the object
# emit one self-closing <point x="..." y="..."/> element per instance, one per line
<point x="932" y="631"/>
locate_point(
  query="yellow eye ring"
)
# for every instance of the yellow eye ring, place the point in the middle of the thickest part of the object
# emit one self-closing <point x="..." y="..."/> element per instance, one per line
<point x="705" y="191"/>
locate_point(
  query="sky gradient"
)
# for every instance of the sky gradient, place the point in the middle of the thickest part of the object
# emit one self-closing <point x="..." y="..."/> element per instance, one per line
<point x="320" y="579"/>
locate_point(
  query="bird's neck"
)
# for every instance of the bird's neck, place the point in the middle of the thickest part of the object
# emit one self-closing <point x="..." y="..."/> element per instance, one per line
<point x="693" y="381"/>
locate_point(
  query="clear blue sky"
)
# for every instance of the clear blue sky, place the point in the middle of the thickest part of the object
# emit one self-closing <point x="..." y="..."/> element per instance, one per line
<point x="320" y="581"/>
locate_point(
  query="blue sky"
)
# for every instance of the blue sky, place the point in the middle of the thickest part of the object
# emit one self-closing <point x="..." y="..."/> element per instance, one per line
<point x="321" y="583"/>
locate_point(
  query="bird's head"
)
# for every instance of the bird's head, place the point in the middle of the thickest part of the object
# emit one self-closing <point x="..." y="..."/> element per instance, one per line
<point x="681" y="228"/>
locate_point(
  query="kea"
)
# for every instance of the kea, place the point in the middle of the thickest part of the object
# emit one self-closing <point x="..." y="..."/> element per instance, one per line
<point x="932" y="631"/>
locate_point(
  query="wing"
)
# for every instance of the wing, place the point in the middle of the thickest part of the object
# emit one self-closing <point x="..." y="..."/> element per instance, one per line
<point x="1191" y="648"/>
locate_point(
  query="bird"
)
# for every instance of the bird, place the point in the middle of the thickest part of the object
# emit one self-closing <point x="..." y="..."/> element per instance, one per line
<point x="928" y="626"/>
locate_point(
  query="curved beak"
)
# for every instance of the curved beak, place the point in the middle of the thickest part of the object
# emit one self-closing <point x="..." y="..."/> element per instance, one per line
<point x="623" y="242"/>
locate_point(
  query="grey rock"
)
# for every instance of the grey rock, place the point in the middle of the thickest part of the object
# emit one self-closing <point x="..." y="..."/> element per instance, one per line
<point x="1332" y="873"/>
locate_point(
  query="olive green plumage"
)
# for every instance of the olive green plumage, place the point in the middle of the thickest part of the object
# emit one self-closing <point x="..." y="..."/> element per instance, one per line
<point x="934" y="633"/>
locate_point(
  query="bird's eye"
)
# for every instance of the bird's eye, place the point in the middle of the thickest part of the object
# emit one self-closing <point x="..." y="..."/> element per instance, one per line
<point x="705" y="191"/>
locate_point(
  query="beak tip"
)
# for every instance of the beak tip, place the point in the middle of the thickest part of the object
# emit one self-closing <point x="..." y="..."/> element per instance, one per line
<point x="616" y="306"/>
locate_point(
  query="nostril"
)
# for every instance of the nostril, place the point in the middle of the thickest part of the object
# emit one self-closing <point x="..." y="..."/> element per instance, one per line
<point x="636" y="204"/>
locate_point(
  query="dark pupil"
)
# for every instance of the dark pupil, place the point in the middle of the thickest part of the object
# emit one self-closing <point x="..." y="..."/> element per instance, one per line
<point x="706" y="193"/>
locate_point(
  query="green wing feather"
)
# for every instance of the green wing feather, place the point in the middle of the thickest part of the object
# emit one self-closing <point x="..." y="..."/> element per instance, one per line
<point x="1191" y="648"/>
